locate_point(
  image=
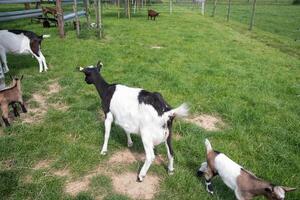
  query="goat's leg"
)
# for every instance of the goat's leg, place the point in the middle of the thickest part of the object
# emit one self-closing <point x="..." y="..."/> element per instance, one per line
<point x="170" y="156"/>
<point x="148" y="146"/>
<point x="4" y="60"/>
<point x="107" y="124"/>
<point x="23" y="107"/>
<point x="202" y="169"/>
<point x="15" y="108"/>
<point x="208" y="177"/>
<point x="43" y="61"/>
<point x="129" y="140"/>
<point x="39" y="59"/>
<point x="4" y="108"/>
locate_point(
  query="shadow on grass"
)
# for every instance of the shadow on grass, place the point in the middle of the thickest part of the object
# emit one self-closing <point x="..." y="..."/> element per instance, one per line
<point x="8" y="182"/>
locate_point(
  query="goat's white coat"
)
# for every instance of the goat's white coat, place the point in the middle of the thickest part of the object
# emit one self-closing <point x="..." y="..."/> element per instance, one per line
<point x="228" y="170"/>
<point x="18" y="44"/>
<point x="141" y="119"/>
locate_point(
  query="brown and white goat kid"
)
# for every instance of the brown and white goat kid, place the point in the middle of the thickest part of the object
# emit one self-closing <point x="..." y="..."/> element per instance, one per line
<point x="245" y="185"/>
<point x="137" y="111"/>
<point x="11" y="96"/>
<point x="21" y="42"/>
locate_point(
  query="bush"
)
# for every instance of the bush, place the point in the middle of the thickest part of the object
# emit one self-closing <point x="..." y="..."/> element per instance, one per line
<point x="296" y="2"/>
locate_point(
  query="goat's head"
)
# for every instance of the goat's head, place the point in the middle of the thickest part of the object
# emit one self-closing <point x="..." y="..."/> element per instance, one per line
<point x="91" y="72"/>
<point x="277" y="192"/>
<point x="16" y="79"/>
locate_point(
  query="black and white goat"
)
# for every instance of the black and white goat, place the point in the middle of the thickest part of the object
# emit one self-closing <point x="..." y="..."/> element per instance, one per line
<point x="137" y="111"/>
<point x="245" y="184"/>
<point x="21" y="42"/>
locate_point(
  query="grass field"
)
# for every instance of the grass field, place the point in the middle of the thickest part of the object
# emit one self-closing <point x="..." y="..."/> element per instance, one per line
<point x="250" y="80"/>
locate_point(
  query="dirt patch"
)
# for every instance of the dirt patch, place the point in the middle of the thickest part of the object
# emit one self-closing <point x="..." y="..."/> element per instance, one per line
<point x="127" y="157"/>
<point x="75" y="187"/>
<point x="27" y="179"/>
<point x="36" y="114"/>
<point x="62" y="172"/>
<point x="177" y="136"/>
<point x="54" y="88"/>
<point x="126" y="184"/>
<point x="8" y="164"/>
<point x="207" y="122"/>
<point x="43" y="164"/>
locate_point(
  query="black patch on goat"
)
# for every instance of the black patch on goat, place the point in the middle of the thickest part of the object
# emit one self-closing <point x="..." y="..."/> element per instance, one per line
<point x="169" y="139"/>
<point x="106" y="98"/>
<point x="155" y="99"/>
<point x="35" y="40"/>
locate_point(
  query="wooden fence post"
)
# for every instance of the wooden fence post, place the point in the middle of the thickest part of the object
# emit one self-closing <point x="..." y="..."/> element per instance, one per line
<point x="87" y="11"/>
<point x="128" y="9"/>
<point x="99" y="18"/>
<point x="118" y="2"/>
<point x="229" y="9"/>
<point x="214" y="8"/>
<point x="60" y="19"/>
<point x="171" y="6"/>
<point x="252" y="15"/>
<point x="76" y="18"/>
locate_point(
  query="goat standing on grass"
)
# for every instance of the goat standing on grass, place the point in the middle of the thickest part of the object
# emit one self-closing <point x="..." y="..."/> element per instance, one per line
<point x="152" y="14"/>
<point x="245" y="185"/>
<point x="11" y="96"/>
<point x="136" y="111"/>
<point x="21" y="42"/>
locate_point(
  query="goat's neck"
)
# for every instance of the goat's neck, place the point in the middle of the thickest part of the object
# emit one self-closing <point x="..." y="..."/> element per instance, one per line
<point x="101" y="86"/>
<point x="259" y="187"/>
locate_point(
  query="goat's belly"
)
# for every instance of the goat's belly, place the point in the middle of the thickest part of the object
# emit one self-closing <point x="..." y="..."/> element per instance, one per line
<point x="129" y="125"/>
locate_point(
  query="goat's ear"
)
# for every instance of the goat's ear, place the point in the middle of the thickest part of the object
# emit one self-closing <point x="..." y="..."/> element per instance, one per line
<point x="21" y="77"/>
<point x="287" y="189"/>
<point x="99" y="65"/>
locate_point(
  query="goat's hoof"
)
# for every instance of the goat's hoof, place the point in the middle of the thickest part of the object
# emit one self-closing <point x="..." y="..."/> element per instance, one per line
<point x="171" y="172"/>
<point x="130" y="144"/>
<point x="200" y="173"/>
<point x="140" y="179"/>
<point x="103" y="153"/>
<point x="211" y="192"/>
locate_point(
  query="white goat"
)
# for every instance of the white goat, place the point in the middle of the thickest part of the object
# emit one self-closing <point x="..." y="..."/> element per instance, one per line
<point x="136" y="111"/>
<point x="21" y="42"/>
<point x="244" y="183"/>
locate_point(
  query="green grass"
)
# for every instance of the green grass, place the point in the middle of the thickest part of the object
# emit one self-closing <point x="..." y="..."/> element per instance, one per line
<point x="251" y="80"/>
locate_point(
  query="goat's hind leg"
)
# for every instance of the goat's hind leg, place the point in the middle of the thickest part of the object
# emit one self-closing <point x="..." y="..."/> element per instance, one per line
<point x="170" y="157"/>
<point x="15" y="108"/>
<point x="4" y="60"/>
<point x="129" y="140"/>
<point x="5" y="110"/>
<point x="107" y="124"/>
<point x="148" y="146"/>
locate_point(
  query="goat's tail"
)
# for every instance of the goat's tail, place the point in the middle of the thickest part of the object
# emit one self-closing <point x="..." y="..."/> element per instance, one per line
<point x="181" y="111"/>
<point x="45" y="36"/>
<point x="208" y="146"/>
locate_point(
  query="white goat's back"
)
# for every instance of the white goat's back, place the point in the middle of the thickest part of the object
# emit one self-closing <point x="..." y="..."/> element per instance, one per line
<point x="14" y="43"/>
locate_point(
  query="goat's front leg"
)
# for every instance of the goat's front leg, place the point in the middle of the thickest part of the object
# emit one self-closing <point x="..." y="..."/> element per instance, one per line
<point x="107" y="124"/>
<point x="170" y="156"/>
<point x="129" y="140"/>
<point x="39" y="59"/>
<point x="43" y="61"/>
<point x="4" y="108"/>
<point x="208" y="177"/>
<point x="148" y="146"/>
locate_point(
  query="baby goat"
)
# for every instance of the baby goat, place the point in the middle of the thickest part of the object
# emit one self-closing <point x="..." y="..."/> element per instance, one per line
<point x="21" y="42"/>
<point x="137" y="111"/>
<point x="11" y="96"/>
<point x="245" y="184"/>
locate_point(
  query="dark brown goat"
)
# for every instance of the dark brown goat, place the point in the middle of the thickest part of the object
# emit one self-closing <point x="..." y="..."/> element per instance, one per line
<point x="11" y="96"/>
<point x="152" y="13"/>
